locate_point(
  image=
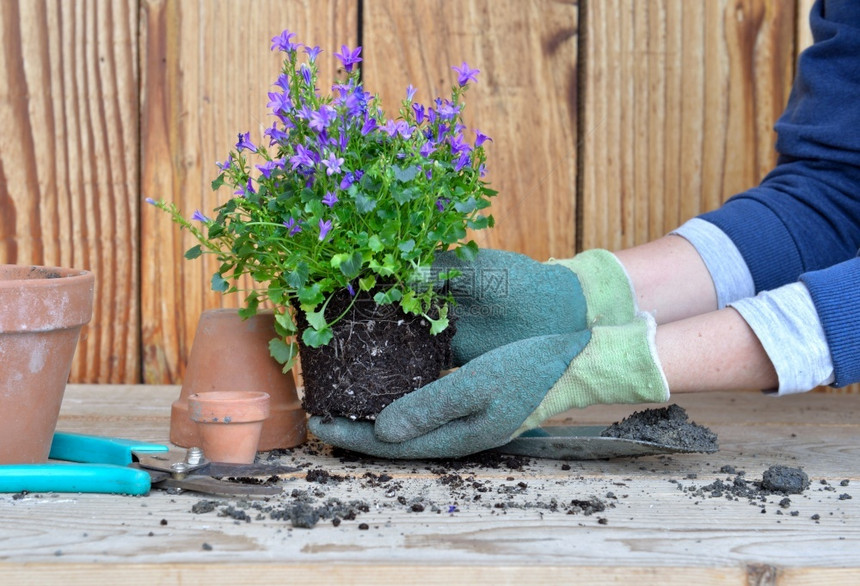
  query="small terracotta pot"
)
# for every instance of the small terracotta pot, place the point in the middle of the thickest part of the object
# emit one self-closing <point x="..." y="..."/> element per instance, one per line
<point x="230" y="423"/>
<point x="228" y="354"/>
<point x="42" y="311"/>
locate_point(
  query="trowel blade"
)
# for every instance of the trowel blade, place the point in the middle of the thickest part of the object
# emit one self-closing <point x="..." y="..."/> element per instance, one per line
<point x="582" y="443"/>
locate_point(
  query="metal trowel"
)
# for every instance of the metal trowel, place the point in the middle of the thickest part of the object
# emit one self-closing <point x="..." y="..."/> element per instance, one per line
<point x="584" y="442"/>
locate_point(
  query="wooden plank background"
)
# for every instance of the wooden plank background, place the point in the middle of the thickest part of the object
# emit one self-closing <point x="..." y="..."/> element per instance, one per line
<point x="612" y="121"/>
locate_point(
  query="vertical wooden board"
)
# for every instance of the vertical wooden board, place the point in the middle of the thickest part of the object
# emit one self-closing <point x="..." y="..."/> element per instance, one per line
<point x="525" y="99"/>
<point x="206" y="71"/>
<point x="680" y="101"/>
<point x="69" y="161"/>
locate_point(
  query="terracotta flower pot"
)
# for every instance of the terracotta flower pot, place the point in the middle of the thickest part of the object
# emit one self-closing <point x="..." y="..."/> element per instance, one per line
<point x="42" y="311"/>
<point x="230" y="423"/>
<point x="230" y="354"/>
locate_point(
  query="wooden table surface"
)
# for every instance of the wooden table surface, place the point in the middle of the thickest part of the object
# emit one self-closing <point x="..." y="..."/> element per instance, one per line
<point x="480" y="524"/>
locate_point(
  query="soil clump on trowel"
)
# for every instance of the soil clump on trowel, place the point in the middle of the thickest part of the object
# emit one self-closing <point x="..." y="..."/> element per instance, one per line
<point x="667" y="426"/>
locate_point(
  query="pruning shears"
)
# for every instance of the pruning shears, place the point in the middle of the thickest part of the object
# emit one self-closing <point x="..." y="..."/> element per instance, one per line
<point x="97" y="464"/>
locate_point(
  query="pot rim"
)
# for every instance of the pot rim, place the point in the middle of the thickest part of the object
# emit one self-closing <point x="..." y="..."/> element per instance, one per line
<point x="229" y="406"/>
<point x="14" y="275"/>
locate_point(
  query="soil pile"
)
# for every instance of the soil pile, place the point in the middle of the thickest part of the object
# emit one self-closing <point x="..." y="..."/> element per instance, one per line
<point x="667" y="426"/>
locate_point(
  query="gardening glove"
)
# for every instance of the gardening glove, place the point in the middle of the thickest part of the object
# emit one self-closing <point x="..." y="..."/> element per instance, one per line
<point x="502" y="297"/>
<point x="508" y="390"/>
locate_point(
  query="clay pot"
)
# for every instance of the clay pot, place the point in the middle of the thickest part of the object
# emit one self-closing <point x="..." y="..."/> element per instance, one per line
<point x="230" y="423"/>
<point x="229" y="354"/>
<point x="42" y="311"/>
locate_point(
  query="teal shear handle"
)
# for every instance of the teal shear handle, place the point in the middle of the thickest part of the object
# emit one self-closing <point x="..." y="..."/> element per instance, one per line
<point x="66" y="477"/>
<point x="101" y="467"/>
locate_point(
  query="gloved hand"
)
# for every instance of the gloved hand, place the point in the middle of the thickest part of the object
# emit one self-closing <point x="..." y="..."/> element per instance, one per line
<point x="508" y="390"/>
<point x="503" y="297"/>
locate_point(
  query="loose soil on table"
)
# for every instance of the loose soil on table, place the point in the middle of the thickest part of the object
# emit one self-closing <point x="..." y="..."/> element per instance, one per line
<point x="668" y="426"/>
<point x="491" y="483"/>
<point x="378" y="354"/>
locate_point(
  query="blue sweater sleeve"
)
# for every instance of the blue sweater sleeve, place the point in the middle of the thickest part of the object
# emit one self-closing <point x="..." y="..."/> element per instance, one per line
<point x="835" y="292"/>
<point x="804" y="218"/>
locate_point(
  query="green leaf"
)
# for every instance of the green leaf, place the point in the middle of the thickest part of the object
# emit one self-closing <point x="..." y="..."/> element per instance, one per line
<point x="406" y="245"/>
<point x="374" y="243"/>
<point x="251" y="304"/>
<point x="298" y="276"/>
<point x="352" y="265"/>
<point x="218" y="182"/>
<point x="386" y="297"/>
<point x="438" y="325"/>
<point x="316" y="319"/>
<point x="466" y="207"/>
<point x="193" y="252"/>
<point x="469" y="251"/>
<point x="282" y="352"/>
<point x="410" y="304"/>
<point x="310" y="295"/>
<point x="349" y="264"/>
<point x="284" y="325"/>
<point x="367" y="283"/>
<point x="403" y="195"/>
<point x="364" y="203"/>
<point x="405" y="174"/>
<point x="479" y="223"/>
<point x="317" y="338"/>
<point x="219" y="284"/>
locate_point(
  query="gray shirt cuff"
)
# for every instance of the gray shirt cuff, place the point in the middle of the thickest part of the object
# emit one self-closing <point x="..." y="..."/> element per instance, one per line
<point x="731" y="276"/>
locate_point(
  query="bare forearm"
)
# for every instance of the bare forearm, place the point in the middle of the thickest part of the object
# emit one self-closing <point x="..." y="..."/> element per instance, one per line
<point x="715" y="351"/>
<point x="670" y="279"/>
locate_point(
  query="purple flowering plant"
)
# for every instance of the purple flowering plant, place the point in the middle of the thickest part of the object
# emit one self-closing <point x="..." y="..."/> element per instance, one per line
<point x="344" y="198"/>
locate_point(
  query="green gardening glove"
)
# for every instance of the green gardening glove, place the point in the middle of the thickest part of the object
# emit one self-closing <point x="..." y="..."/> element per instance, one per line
<point x="508" y="390"/>
<point x="502" y="297"/>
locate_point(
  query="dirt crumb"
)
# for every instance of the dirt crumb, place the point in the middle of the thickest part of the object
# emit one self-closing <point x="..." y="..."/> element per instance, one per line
<point x="784" y="479"/>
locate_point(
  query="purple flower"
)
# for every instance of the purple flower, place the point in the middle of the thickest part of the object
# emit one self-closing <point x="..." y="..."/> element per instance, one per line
<point x="348" y="58"/>
<point x="448" y="110"/>
<point x="482" y="170"/>
<point x="481" y="138"/>
<point x="283" y="82"/>
<point x="332" y="164"/>
<point x="426" y="149"/>
<point x="245" y="190"/>
<point x="292" y="226"/>
<point x="322" y="119"/>
<point x="267" y="168"/>
<point x="329" y="199"/>
<point x="466" y="74"/>
<point x="350" y="289"/>
<point x="245" y="143"/>
<point x="459" y="146"/>
<point x="276" y="134"/>
<point x="303" y="156"/>
<point x="400" y="127"/>
<point x="313" y="52"/>
<point x="462" y="161"/>
<point x="369" y="126"/>
<point x="279" y="102"/>
<point x="226" y="164"/>
<point x="440" y="204"/>
<point x="325" y="227"/>
<point x="284" y="42"/>
<point x="347" y="181"/>
<point x="149" y="200"/>
<point x="418" y="109"/>
<point x="306" y="73"/>
<point x="199" y="217"/>
<point x="410" y="92"/>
